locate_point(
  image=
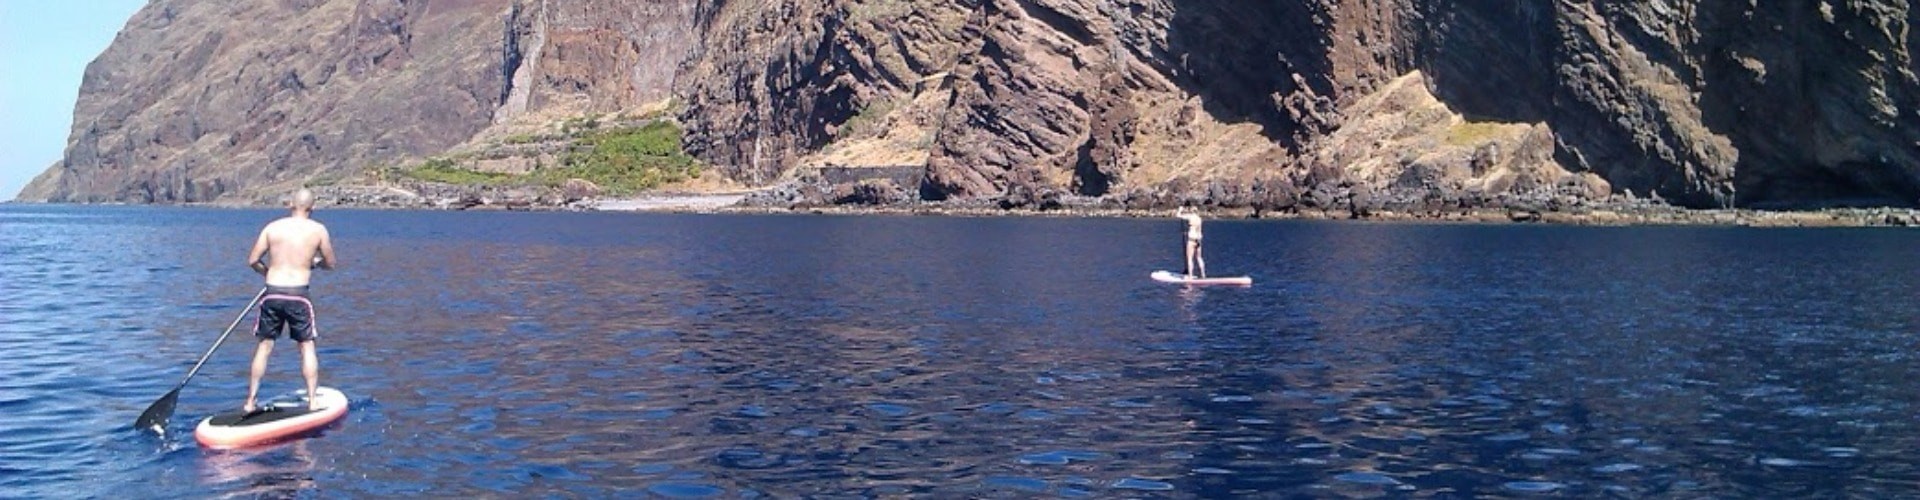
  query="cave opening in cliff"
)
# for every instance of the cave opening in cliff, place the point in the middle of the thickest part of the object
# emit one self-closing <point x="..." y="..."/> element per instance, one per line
<point x="1088" y="178"/>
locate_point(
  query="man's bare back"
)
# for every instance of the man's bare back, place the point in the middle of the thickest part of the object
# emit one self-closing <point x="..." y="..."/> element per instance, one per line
<point x="291" y="244"/>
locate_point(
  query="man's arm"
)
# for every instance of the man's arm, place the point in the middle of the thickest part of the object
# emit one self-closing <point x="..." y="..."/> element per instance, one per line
<point x="326" y="250"/>
<point x="259" y="248"/>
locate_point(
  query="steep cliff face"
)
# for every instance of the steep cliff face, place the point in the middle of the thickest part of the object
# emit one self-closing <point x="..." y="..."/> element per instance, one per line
<point x="1703" y="103"/>
<point x="996" y="94"/>
<point x="202" y="100"/>
<point x="196" y="100"/>
<point x="584" y="56"/>
<point x="1710" y="103"/>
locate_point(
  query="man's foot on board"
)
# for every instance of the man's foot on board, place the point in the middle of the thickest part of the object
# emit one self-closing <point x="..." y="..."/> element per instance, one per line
<point x="249" y="407"/>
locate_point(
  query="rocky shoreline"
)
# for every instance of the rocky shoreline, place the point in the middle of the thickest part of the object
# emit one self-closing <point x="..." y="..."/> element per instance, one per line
<point x="1614" y="213"/>
<point x="1634" y="215"/>
<point x="1304" y="199"/>
<point x="1314" y="204"/>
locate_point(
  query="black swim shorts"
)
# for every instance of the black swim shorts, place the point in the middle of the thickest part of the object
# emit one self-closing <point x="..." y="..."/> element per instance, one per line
<point x="285" y="307"/>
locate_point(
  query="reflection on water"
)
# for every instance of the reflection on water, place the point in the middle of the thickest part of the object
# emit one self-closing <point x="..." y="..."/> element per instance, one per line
<point x="277" y="471"/>
<point x="701" y="356"/>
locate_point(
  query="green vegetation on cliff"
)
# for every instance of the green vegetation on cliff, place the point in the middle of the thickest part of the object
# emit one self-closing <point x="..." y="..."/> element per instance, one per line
<point x="449" y="171"/>
<point x="629" y="159"/>
<point x="620" y="160"/>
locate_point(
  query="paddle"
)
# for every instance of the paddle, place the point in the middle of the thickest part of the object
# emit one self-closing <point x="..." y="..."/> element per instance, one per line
<point x="156" y="416"/>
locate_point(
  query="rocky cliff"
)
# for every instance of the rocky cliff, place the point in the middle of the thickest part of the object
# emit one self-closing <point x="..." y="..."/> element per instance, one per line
<point x="198" y="100"/>
<point x="201" y="100"/>
<point x="1275" y="103"/>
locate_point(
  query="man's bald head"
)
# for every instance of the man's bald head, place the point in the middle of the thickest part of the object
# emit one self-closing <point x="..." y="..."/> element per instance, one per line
<point x="301" y="200"/>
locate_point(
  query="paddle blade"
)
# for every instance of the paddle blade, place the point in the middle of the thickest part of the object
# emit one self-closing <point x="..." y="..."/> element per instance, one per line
<point x="155" y="418"/>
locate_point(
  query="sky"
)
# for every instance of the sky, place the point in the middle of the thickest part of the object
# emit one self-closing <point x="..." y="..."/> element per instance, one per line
<point x="45" y="45"/>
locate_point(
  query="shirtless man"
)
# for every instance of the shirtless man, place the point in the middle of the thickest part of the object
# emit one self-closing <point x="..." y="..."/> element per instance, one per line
<point x="1194" y="261"/>
<point x="296" y="245"/>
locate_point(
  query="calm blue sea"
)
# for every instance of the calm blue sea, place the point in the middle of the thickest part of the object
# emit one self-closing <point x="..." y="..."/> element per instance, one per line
<point x="735" y="356"/>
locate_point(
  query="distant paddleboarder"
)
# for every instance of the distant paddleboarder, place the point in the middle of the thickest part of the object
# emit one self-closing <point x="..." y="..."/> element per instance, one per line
<point x="1196" y="265"/>
<point x="293" y="245"/>
<point x="1196" y="273"/>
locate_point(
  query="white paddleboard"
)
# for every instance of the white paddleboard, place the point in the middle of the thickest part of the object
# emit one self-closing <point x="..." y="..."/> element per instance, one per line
<point x="280" y="418"/>
<point x="1176" y="278"/>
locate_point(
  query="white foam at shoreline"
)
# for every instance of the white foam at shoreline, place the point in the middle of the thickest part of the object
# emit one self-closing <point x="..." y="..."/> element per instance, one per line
<point x="679" y="202"/>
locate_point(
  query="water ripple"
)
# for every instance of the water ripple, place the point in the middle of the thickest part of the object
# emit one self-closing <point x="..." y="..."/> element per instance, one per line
<point x="596" y="355"/>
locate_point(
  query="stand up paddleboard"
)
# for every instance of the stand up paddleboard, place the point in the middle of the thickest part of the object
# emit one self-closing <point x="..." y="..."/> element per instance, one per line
<point x="278" y="418"/>
<point x="1171" y="277"/>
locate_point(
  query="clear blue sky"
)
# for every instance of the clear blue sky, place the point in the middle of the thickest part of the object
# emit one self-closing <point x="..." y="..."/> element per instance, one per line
<point x="44" y="47"/>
